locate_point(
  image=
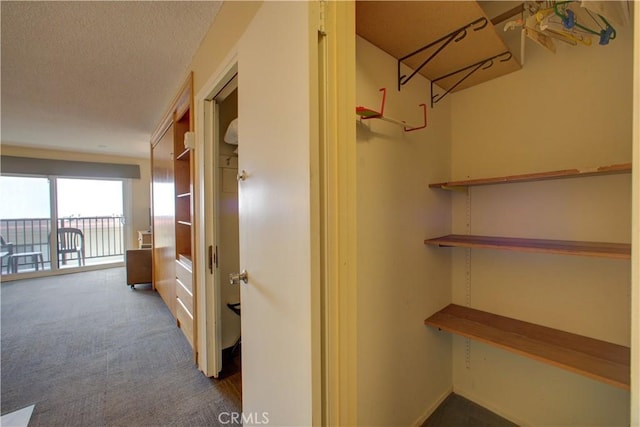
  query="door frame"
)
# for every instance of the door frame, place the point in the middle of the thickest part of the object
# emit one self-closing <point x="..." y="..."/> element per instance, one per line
<point x="337" y="170"/>
<point x="209" y="324"/>
<point x="337" y="323"/>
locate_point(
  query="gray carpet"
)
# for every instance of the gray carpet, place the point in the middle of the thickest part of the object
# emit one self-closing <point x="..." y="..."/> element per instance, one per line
<point x="89" y="351"/>
<point x="456" y="411"/>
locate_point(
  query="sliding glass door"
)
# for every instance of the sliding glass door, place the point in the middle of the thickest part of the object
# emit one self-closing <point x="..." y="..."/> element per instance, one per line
<point x="25" y="224"/>
<point x="90" y="222"/>
<point x="51" y="223"/>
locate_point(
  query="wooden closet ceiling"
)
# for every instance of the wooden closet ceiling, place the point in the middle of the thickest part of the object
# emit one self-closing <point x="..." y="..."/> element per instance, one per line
<point x="95" y="76"/>
<point x="401" y="27"/>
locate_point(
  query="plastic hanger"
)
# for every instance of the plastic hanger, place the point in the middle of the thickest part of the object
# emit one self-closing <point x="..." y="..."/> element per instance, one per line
<point x="570" y="21"/>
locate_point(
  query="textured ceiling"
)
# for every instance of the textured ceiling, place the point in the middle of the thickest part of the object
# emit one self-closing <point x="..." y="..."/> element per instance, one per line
<point x="94" y="76"/>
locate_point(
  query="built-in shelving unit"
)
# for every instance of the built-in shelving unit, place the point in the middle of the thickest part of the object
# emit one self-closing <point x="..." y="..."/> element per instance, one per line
<point x="183" y="185"/>
<point x="565" y="247"/>
<point x="173" y="224"/>
<point x="599" y="360"/>
<point x="593" y="358"/>
<point x="538" y="176"/>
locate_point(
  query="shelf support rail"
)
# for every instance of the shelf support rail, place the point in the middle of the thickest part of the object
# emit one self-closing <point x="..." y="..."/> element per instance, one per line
<point x="454" y="36"/>
<point x="367" y="113"/>
<point x="484" y="65"/>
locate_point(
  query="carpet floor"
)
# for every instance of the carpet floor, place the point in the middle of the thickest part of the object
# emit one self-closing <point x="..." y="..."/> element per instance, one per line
<point x="87" y="350"/>
<point x="456" y="411"/>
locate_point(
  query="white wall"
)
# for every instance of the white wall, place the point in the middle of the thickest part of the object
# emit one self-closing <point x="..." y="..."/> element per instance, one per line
<point x="404" y="368"/>
<point x="568" y="110"/>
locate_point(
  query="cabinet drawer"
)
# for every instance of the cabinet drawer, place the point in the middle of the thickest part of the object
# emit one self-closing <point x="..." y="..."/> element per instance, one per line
<point x="184" y="295"/>
<point x="183" y="273"/>
<point x="185" y="321"/>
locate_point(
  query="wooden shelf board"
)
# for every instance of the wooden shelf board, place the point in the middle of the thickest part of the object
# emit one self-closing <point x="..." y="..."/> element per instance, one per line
<point x="566" y="247"/>
<point x="593" y="358"/>
<point x="538" y="176"/>
<point x="400" y="29"/>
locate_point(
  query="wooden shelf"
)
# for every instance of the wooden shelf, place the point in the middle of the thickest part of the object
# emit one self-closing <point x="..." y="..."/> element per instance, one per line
<point x="566" y="247"/>
<point x="367" y="113"/>
<point x="592" y="358"/>
<point x="401" y="30"/>
<point x="538" y="176"/>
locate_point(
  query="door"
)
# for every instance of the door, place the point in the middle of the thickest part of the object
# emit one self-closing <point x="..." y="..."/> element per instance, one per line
<point x="277" y="63"/>
<point x="25" y="224"/>
<point x="90" y="222"/>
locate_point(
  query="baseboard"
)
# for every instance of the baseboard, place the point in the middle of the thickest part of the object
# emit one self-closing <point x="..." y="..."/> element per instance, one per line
<point x="478" y="400"/>
<point x="432" y="408"/>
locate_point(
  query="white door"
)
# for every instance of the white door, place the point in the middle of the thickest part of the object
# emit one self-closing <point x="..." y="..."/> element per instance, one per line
<point x="277" y="133"/>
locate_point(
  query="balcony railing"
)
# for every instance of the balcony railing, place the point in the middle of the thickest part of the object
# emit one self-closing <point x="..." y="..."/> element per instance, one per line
<point x="103" y="237"/>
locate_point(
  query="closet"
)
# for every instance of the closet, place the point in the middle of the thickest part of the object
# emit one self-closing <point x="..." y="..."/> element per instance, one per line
<point x="518" y="190"/>
<point x="172" y="212"/>
<point x="227" y="215"/>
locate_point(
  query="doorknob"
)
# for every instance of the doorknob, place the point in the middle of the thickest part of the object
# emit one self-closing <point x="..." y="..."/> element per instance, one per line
<point x="242" y="175"/>
<point x="235" y="278"/>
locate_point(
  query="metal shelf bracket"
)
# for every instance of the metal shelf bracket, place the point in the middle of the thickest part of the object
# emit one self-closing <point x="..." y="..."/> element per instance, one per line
<point x="481" y="65"/>
<point x="454" y="36"/>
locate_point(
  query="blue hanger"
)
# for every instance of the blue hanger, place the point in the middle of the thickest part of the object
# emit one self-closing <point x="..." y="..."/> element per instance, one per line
<point x="569" y="21"/>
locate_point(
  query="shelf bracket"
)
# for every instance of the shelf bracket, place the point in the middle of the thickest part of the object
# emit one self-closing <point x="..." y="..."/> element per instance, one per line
<point x="367" y="113"/>
<point x="424" y="122"/>
<point x="454" y="36"/>
<point x="481" y="65"/>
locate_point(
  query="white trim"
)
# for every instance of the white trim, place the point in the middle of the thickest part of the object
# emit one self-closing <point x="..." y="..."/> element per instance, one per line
<point x="207" y="326"/>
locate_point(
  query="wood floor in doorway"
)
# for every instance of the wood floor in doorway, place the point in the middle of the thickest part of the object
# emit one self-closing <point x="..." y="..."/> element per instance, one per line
<point x="87" y="350"/>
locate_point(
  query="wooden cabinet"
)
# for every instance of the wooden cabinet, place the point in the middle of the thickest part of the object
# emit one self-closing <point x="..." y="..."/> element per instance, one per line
<point x="164" y="235"/>
<point x="172" y="193"/>
<point x="184" y="298"/>
<point x="596" y="359"/>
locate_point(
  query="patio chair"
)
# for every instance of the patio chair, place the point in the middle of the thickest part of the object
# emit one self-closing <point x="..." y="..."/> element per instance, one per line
<point x="71" y="241"/>
<point x="13" y="258"/>
<point x="6" y="250"/>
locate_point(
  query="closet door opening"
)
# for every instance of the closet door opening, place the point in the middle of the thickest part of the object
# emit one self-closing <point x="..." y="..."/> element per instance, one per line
<point x="223" y="308"/>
